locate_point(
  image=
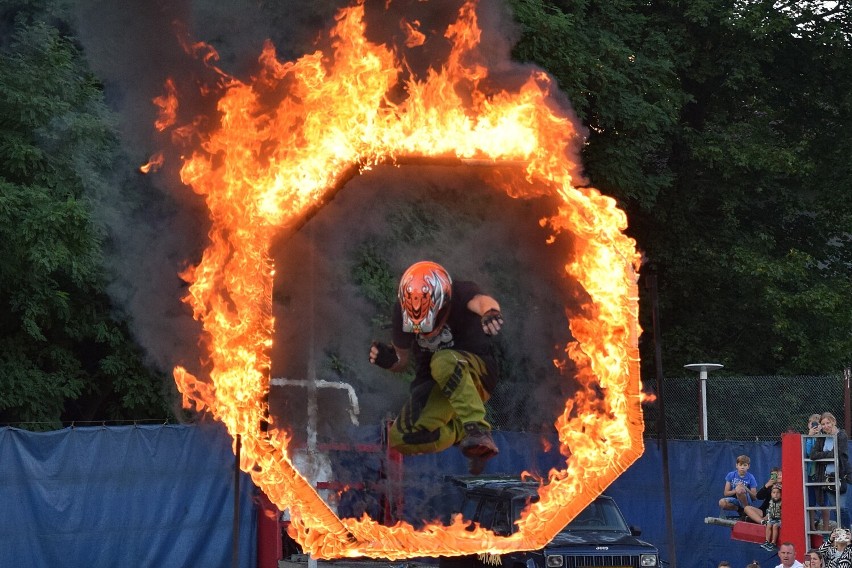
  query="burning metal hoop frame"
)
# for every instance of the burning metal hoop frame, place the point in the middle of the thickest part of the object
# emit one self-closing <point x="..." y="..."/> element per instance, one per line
<point x="230" y="289"/>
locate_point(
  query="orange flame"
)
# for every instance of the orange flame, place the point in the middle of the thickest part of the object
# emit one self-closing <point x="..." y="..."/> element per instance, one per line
<point x="413" y="36"/>
<point x="154" y="163"/>
<point x="647" y="397"/>
<point x="264" y="169"/>
<point x="168" y="104"/>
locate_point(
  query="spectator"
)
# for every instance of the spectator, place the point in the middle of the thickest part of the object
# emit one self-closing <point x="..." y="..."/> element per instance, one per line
<point x="772" y="520"/>
<point x="740" y="488"/>
<point x="813" y="559"/>
<point x="825" y="448"/>
<point x="754" y="564"/>
<point x="835" y="551"/>
<point x="815" y="494"/>
<point x="724" y="564"/>
<point x="757" y="514"/>
<point x="787" y="555"/>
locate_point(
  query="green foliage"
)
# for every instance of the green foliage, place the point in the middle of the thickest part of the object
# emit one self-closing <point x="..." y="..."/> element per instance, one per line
<point x="64" y="357"/>
<point x="371" y="272"/>
<point x="616" y="64"/>
<point x="724" y="130"/>
<point x="721" y="127"/>
<point x="337" y="365"/>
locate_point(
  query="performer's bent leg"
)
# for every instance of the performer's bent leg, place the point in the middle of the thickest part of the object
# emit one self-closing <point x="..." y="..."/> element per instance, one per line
<point x="426" y="423"/>
<point x="439" y="413"/>
<point x="458" y="373"/>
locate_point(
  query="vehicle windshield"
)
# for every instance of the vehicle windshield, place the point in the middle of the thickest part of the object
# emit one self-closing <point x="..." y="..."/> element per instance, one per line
<point x="602" y="514"/>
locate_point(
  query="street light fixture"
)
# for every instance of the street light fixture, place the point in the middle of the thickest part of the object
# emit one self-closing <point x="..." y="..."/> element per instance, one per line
<point x="703" y="369"/>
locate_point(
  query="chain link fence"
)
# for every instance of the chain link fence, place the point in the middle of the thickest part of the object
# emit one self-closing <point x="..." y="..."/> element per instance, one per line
<point x="745" y="408"/>
<point x="756" y="408"/>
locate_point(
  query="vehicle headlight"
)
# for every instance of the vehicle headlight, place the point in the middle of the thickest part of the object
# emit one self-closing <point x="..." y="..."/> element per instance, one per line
<point x="647" y="560"/>
<point x="555" y="561"/>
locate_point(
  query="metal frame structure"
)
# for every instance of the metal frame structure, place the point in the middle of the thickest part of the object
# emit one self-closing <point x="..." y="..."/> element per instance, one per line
<point x="811" y="532"/>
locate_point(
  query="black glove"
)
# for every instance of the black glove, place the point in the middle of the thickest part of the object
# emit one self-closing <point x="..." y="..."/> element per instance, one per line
<point x="386" y="356"/>
<point x="492" y="318"/>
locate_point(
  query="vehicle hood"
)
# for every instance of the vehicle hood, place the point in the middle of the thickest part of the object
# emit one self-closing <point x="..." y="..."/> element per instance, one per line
<point x="613" y="539"/>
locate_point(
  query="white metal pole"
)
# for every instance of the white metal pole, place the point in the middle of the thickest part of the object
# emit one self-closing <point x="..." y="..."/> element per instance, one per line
<point x="703" y="369"/>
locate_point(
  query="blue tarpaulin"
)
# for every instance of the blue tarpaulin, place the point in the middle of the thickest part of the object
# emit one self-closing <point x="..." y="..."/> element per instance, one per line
<point x="697" y="472"/>
<point x="122" y="496"/>
<point x="163" y="495"/>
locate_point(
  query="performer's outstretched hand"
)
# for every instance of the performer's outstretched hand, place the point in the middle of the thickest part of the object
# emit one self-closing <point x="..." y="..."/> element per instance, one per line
<point x="492" y="321"/>
<point x="383" y="355"/>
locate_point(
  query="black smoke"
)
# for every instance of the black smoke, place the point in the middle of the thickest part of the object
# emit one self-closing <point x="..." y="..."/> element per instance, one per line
<point x="158" y="227"/>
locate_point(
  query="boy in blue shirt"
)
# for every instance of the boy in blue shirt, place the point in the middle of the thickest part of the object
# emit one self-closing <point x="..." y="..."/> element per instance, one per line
<point x="740" y="487"/>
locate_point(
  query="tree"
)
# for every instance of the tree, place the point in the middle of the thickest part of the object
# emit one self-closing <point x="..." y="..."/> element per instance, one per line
<point x="722" y="128"/>
<point x="65" y="355"/>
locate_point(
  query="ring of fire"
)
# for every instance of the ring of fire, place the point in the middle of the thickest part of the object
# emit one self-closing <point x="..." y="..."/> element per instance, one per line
<point x="263" y="170"/>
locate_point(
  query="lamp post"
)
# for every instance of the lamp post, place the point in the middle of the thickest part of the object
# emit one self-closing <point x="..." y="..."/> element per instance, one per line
<point x="703" y="369"/>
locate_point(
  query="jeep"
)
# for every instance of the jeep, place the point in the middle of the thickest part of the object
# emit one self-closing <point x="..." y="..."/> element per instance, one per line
<point x="598" y="537"/>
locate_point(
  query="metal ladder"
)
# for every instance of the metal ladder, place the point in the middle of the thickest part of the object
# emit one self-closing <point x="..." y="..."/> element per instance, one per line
<point x="818" y="510"/>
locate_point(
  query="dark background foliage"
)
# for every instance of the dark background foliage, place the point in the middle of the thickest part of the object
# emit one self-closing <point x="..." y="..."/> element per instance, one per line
<point x="722" y="128"/>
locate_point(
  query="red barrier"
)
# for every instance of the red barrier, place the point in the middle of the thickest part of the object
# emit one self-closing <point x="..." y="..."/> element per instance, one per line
<point x="749" y="532"/>
<point x="269" y="547"/>
<point x="793" y="511"/>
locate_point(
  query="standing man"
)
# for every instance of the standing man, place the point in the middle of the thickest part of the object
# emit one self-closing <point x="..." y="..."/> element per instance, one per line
<point x="446" y="328"/>
<point x="787" y="555"/>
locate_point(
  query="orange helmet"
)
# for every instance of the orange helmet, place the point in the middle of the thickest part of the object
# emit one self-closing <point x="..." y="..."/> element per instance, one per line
<point x="424" y="294"/>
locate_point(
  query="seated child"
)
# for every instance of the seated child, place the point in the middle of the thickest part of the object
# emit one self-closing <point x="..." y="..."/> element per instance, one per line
<point x="772" y="520"/>
<point x="740" y="487"/>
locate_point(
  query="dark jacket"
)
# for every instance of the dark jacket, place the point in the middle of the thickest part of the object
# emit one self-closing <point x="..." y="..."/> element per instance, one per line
<point x="765" y="495"/>
<point x="842" y="449"/>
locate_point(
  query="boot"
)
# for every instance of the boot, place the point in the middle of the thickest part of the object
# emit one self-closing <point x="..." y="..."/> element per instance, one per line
<point x="477" y="446"/>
